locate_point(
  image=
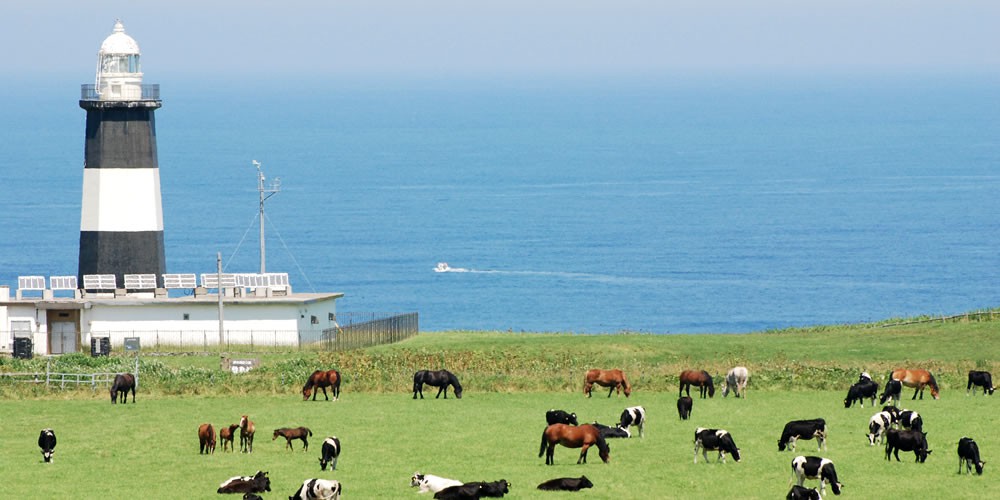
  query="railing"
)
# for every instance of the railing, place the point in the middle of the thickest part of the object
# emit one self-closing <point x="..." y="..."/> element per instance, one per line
<point x="61" y="379"/>
<point x="150" y="92"/>
<point x="357" y="330"/>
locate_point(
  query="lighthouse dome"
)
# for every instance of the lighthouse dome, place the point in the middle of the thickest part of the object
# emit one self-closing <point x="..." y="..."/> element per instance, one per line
<point x="118" y="42"/>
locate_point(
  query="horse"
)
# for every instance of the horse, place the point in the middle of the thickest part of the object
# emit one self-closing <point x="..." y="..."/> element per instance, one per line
<point x="206" y="439"/>
<point x="573" y="436"/>
<point x="440" y="379"/>
<point x="120" y="387"/>
<point x="246" y="435"/>
<point x="736" y="380"/>
<point x="615" y="379"/>
<point x="917" y="379"/>
<point x="699" y="378"/>
<point x="294" y="433"/>
<point x="321" y="380"/>
<point x="226" y="435"/>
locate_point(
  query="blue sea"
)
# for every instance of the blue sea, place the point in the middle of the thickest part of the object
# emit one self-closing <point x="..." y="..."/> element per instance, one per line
<point x="710" y="204"/>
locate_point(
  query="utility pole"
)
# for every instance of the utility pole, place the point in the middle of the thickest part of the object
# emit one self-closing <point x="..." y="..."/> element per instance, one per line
<point x="271" y="191"/>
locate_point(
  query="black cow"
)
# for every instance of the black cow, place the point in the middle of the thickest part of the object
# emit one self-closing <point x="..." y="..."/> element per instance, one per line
<point x="714" y="439"/>
<point x="968" y="455"/>
<point x="803" y="429"/>
<point x="634" y="415"/>
<point x="474" y="490"/>
<point x="893" y="388"/>
<point x="980" y="379"/>
<point x="612" y="432"/>
<point x="860" y="391"/>
<point x="47" y="442"/>
<point x="909" y="419"/>
<point x="914" y="441"/>
<point x="816" y="468"/>
<point x="802" y="493"/>
<point x="566" y="484"/>
<point x="330" y="453"/>
<point x="560" y="417"/>
<point x="684" y="407"/>
<point x="257" y="483"/>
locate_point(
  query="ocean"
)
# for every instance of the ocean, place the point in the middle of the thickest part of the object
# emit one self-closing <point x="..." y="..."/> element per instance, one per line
<point x="712" y="204"/>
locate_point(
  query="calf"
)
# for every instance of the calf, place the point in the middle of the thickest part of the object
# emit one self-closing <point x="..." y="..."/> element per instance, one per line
<point x="47" y="442"/>
<point x="914" y="441"/>
<point x="684" y="407"/>
<point x="968" y="455"/>
<point x="612" y="432"/>
<point x="802" y="493"/>
<point x="431" y="483"/>
<point x="560" y="417"/>
<point x="330" y="453"/>
<point x="909" y="419"/>
<point x="257" y="483"/>
<point x="635" y="415"/>
<point x="860" y="391"/>
<point x="892" y="390"/>
<point x="803" y="429"/>
<point x="714" y="439"/>
<point x="566" y="484"/>
<point x="877" y="426"/>
<point x="317" y="489"/>
<point x="474" y="490"/>
<point x="980" y="379"/>
<point x="816" y="468"/>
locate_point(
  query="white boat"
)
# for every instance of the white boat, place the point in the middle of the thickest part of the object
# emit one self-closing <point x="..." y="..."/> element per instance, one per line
<point x="442" y="267"/>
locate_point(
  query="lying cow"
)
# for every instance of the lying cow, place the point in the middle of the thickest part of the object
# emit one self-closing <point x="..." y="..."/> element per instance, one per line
<point x="318" y="489"/>
<point x="612" y="432"/>
<point x="910" y="419"/>
<point x="980" y="379"/>
<point x="684" y="405"/>
<point x="803" y="429"/>
<point x="432" y="483"/>
<point x="914" y="441"/>
<point x="860" y="391"/>
<point x="560" y="417"/>
<point x="714" y="439"/>
<point x="802" y="493"/>
<point x="257" y="483"/>
<point x="252" y="496"/>
<point x="330" y="453"/>
<point x="566" y="484"/>
<point x="816" y="468"/>
<point x="474" y="490"/>
<point x="877" y="426"/>
<point x="968" y="455"/>
<point x="47" y="442"/>
<point x="635" y="415"/>
<point x="893" y="388"/>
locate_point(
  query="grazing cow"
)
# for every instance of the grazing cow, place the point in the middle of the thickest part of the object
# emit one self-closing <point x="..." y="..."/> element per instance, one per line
<point x="289" y="434"/>
<point x="560" y="417"/>
<point x="318" y="489"/>
<point x="474" y="490"/>
<point x="633" y="415"/>
<point x="257" y="483"/>
<point x="816" y="468"/>
<point x="877" y="426"/>
<point x="612" y="432"/>
<point x="331" y="452"/>
<point x="206" y="438"/>
<point x="914" y="441"/>
<point x="893" y="412"/>
<point x="47" y="442"/>
<point x="226" y="435"/>
<point x="432" y="483"/>
<point x="910" y="419"/>
<point x="684" y="405"/>
<point x="860" y="391"/>
<point x="714" y="439"/>
<point x="980" y="379"/>
<point x="736" y="380"/>
<point x="893" y="388"/>
<point x="803" y="429"/>
<point x="968" y="455"/>
<point x="566" y="484"/>
<point x="802" y="493"/>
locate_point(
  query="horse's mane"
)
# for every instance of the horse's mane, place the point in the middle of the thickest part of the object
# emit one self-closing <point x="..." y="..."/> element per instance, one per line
<point x="454" y="380"/>
<point x="602" y="444"/>
<point x="933" y="382"/>
<point x="625" y="381"/>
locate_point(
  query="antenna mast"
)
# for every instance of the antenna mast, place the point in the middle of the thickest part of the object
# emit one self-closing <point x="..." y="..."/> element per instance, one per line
<point x="274" y="188"/>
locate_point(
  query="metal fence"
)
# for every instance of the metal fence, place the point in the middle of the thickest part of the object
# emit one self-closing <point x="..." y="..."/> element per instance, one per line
<point x="60" y="379"/>
<point x="356" y="330"/>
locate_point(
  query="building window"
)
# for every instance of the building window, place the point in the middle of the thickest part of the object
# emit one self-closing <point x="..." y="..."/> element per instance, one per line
<point x="314" y="320"/>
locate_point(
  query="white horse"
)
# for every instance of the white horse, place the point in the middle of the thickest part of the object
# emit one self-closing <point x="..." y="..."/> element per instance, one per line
<point x="432" y="483"/>
<point x="736" y="379"/>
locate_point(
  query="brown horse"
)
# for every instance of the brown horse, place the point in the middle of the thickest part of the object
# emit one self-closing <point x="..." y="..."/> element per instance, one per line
<point x="699" y="378"/>
<point x="246" y="435"/>
<point x="206" y="438"/>
<point x="918" y="379"/>
<point x="615" y="379"/>
<point x="321" y="380"/>
<point x="226" y="435"/>
<point x="573" y="436"/>
<point x="290" y="433"/>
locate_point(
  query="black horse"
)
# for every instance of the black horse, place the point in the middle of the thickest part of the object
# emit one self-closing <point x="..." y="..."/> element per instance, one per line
<point x="122" y="384"/>
<point x="440" y="378"/>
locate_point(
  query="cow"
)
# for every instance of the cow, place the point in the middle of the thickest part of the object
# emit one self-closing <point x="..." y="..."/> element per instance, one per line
<point x="980" y="379"/>
<point x="802" y="493"/>
<point x="474" y="490"/>
<point x="257" y="483"/>
<point x="318" y="489"/>
<point x="560" y="417"/>
<point x="910" y="419"/>
<point x="633" y="415"/>
<point x="736" y="381"/>
<point x="206" y="439"/>
<point x="864" y="376"/>
<point x="893" y="389"/>
<point x="47" y="442"/>
<point x="803" y="429"/>
<point x="431" y="483"/>
<point x="714" y="439"/>
<point x="816" y="468"/>
<point x="330" y="453"/>
<point x="860" y="391"/>
<point x="612" y="432"/>
<point x="915" y="441"/>
<point x="566" y="484"/>
<point x="877" y="426"/>
<point x="968" y="455"/>
<point x="226" y="435"/>
<point x="684" y="405"/>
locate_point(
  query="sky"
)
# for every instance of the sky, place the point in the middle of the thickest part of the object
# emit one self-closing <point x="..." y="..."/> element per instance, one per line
<point x="307" y="39"/>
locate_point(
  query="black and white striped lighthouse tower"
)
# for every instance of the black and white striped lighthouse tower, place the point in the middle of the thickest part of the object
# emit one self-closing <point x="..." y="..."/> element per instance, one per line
<point x="121" y="223"/>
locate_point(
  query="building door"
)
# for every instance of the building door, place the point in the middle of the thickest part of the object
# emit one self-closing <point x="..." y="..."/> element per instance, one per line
<point x="62" y="337"/>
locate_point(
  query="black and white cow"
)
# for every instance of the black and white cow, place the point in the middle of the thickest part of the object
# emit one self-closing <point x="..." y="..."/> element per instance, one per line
<point x="877" y="426"/>
<point x="566" y="484"/>
<point x="257" y="483"/>
<point x="914" y="441"/>
<point x="968" y="455"/>
<point x="432" y="483"/>
<point x="560" y="417"/>
<point x="612" y="432"/>
<point x="816" y="468"/>
<point x="803" y="429"/>
<point x="864" y="376"/>
<point x="714" y="439"/>
<point x="893" y="388"/>
<point x="684" y="405"/>
<point x="47" y="442"/>
<point x="633" y="415"/>
<point x="893" y="412"/>
<point x="318" y="489"/>
<point x="910" y="419"/>
<point x="860" y="391"/>
<point x="980" y="379"/>
<point x="330" y="453"/>
<point x="474" y="490"/>
<point x="802" y="493"/>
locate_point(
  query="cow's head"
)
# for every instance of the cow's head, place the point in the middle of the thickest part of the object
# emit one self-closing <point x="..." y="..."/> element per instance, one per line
<point x="416" y="480"/>
<point x="47" y="455"/>
<point x="781" y="445"/>
<point x="572" y="419"/>
<point x="979" y="468"/>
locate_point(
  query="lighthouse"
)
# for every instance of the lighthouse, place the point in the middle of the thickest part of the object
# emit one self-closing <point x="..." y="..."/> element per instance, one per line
<point x="121" y="220"/>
